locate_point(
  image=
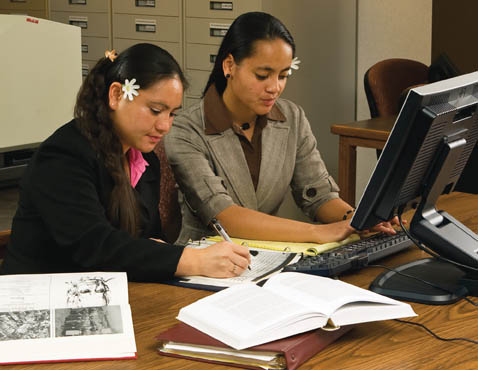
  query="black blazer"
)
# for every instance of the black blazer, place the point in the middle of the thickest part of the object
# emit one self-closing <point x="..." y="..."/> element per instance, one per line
<point x="60" y="224"/>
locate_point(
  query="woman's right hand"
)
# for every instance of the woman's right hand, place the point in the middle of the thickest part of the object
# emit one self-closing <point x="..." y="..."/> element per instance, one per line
<point x="220" y="260"/>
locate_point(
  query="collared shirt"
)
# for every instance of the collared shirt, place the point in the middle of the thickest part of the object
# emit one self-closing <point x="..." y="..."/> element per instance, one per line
<point x="137" y="165"/>
<point x="218" y="119"/>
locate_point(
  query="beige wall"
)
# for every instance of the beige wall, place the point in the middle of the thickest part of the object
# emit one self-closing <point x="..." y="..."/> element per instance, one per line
<point x="325" y="37"/>
<point x="387" y="29"/>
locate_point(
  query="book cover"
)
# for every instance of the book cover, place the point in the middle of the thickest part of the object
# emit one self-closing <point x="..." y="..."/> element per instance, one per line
<point x="184" y="341"/>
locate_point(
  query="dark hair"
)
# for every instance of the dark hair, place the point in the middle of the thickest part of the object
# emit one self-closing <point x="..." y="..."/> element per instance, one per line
<point x="239" y="42"/>
<point x="146" y="63"/>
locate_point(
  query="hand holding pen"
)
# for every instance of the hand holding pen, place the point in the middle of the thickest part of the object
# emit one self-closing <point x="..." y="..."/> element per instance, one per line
<point x="220" y="230"/>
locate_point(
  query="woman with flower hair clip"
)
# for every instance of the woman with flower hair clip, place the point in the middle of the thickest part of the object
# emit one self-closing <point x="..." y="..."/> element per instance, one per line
<point x="89" y="198"/>
<point x="237" y="152"/>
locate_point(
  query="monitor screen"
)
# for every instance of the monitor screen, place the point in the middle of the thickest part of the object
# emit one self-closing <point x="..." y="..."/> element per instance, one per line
<point x="428" y="147"/>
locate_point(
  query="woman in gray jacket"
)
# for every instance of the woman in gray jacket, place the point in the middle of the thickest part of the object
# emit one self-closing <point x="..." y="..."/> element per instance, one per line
<point x="237" y="152"/>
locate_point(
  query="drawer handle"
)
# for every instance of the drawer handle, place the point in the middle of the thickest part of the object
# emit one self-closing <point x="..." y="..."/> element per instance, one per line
<point x="77" y="2"/>
<point x="212" y="58"/>
<point x="218" y="29"/>
<point x="85" y="68"/>
<point x="143" y="25"/>
<point x="81" y="22"/>
<point x="145" y="3"/>
<point x="84" y="48"/>
<point x="220" y="5"/>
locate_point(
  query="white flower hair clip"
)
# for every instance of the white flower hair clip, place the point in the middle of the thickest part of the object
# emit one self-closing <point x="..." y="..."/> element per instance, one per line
<point x="130" y="89"/>
<point x="294" y="65"/>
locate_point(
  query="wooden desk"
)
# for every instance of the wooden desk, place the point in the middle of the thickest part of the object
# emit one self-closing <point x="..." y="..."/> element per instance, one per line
<point x="371" y="133"/>
<point x="376" y="345"/>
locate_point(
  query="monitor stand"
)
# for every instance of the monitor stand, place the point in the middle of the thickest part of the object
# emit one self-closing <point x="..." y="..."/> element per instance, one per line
<point x="441" y="273"/>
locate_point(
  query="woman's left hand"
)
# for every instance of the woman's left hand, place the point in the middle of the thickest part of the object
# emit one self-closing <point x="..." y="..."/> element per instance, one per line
<point x="386" y="227"/>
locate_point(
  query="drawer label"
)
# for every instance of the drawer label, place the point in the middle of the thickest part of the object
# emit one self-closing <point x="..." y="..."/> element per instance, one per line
<point x="81" y="22"/>
<point x="212" y="58"/>
<point x="220" y="5"/>
<point x="145" y="25"/>
<point x="77" y="2"/>
<point x="84" y="48"/>
<point x="145" y="3"/>
<point x="218" y="29"/>
<point x="85" y="68"/>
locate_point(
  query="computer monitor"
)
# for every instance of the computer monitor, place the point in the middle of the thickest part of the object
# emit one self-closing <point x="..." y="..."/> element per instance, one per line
<point x="428" y="147"/>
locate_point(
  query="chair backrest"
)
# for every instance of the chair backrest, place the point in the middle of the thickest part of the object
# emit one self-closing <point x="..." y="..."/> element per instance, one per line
<point x="4" y="238"/>
<point x="386" y="80"/>
<point x="169" y="209"/>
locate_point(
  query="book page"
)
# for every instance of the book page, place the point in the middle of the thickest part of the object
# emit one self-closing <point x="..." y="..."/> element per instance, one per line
<point x="65" y="316"/>
<point x="322" y="294"/>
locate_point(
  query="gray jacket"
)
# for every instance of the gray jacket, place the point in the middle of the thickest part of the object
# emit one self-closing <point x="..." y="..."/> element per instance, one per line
<point x="212" y="172"/>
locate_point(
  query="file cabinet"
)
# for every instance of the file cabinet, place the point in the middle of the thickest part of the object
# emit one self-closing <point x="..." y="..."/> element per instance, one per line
<point x="34" y="8"/>
<point x="153" y="21"/>
<point x="205" y="24"/>
<point x="94" y="19"/>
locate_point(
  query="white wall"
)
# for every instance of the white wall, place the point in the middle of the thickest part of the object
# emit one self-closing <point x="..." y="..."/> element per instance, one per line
<point x="387" y="29"/>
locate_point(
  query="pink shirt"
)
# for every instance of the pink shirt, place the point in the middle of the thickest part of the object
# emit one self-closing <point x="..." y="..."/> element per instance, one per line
<point x="137" y="165"/>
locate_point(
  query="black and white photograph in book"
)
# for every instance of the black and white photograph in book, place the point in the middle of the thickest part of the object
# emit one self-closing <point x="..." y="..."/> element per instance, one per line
<point x="24" y="325"/>
<point x="88" y="321"/>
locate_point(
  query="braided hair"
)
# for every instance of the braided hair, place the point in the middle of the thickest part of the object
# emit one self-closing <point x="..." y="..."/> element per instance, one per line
<point x="146" y="63"/>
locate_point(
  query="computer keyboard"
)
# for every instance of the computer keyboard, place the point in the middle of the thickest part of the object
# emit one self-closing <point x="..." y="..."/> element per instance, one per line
<point x="355" y="255"/>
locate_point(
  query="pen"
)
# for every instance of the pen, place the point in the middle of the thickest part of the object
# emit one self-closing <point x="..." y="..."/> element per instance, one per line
<point x="220" y="230"/>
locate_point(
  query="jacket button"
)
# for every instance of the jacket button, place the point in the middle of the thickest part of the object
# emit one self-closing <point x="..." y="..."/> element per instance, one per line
<point x="312" y="192"/>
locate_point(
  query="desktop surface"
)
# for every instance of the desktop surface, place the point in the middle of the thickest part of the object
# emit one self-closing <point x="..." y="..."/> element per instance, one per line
<point x="377" y="345"/>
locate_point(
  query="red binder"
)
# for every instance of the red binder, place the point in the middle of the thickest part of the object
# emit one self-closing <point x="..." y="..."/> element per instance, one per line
<point x="291" y="352"/>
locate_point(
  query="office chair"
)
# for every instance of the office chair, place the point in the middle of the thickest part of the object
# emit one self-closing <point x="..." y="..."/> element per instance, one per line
<point x="4" y="238"/>
<point x="386" y="84"/>
<point x="385" y="81"/>
<point x="169" y="209"/>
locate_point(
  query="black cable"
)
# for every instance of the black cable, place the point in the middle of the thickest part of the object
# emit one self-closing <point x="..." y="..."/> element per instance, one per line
<point x="436" y="335"/>
<point x="437" y="256"/>
<point x="421" y="325"/>
<point x="429" y="251"/>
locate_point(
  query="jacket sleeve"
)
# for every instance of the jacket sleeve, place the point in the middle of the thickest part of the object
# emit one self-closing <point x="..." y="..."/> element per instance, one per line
<point x="64" y="188"/>
<point x="204" y="191"/>
<point x="312" y="186"/>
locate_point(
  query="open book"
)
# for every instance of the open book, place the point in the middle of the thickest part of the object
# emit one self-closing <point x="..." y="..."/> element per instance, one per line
<point x="289" y="303"/>
<point x="65" y="317"/>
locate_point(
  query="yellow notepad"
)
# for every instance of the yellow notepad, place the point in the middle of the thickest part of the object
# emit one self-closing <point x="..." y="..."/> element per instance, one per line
<point x="310" y="249"/>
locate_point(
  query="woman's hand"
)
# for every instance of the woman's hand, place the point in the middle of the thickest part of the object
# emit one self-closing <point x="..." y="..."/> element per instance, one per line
<point x="333" y="232"/>
<point x="220" y="260"/>
<point x="385" y="227"/>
